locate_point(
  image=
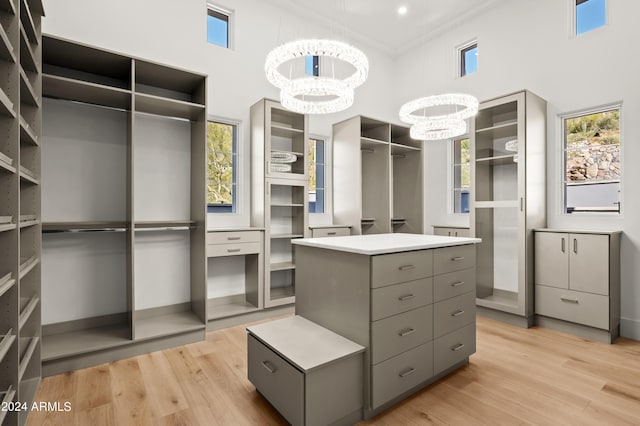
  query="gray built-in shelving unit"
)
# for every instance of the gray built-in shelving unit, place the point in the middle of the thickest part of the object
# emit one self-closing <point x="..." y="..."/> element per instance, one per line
<point x="279" y="193"/>
<point x="124" y="206"/>
<point x="20" y="242"/>
<point x="377" y="177"/>
<point x="508" y="166"/>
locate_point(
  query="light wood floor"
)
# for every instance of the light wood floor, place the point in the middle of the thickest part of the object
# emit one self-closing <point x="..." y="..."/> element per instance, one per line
<point x="517" y="377"/>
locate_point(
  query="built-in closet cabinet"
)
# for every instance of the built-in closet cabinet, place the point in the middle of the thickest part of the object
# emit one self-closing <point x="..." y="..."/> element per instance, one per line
<point x="279" y="193"/>
<point x="124" y="205"/>
<point x="377" y="177"/>
<point x="508" y="167"/>
<point x="20" y="207"/>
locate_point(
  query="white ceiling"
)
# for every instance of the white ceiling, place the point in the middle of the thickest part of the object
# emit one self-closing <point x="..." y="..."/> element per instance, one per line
<point x="378" y="21"/>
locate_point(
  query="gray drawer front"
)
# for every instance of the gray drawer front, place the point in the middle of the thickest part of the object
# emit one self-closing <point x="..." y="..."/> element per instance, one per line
<point x="395" y="268"/>
<point x="399" y="333"/>
<point x="221" y="250"/>
<point x="582" y="308"/>
<point x="330" y="232"/>
<point x="398" y="298"/>
<point x="454" y="347"/>
<point x="453" y="284"/>
<point x="401" y="373"/>
<point x="277" y="380"/>
<point x="454" y="313"/>
<point x="233" y="237"/>
<point x="449" y="259"/>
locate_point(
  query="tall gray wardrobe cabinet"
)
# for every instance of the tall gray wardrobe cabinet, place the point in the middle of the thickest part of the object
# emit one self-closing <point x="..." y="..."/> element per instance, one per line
<point x="123" y="206"/>
<point x="508" y="165"/>
<point x="20" y="181"/>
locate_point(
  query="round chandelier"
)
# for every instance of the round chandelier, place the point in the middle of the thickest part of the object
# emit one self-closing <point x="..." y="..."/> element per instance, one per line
<point x="443" y="126"/>
<point x="318" y="94"/>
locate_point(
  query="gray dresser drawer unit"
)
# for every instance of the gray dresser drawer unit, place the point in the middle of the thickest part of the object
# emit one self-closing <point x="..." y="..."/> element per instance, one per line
<point x="573" y="306"/>
<point x="220" y="250"/>
<point x="453" y="284"/>
<point x="330" y="232"/>
<point x="401" y="373"/>
<point x="454" y="313"/>
<point x="233" y="237"/>
<point x="454" y="347"/>
<point x="277" y="380"/>
<point x="395" y="268"/>
<point x="394" y="299"/>
<point x="394" y="335"/>
<point x="454" y="258"/>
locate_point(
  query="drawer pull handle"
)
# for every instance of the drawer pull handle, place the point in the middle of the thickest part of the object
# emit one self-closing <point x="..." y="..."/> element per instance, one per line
<point x="406" y="267"/>
<point x="457" y="313"/>
<point x="457" y="258"/>
<point x="270" y="368"/>
<point x="406" y="332"/>
<point x="233" y="250"/>
<point x="331" y="233"/>
<point x="458" y="284"/>
<point x="562" y="245"/>
<point x="406" y="297"/>
<point x="564" y="299"/>
<point x="407" y="372"/>
<point x="456" y="348"/>
<point x="233" y="238"/>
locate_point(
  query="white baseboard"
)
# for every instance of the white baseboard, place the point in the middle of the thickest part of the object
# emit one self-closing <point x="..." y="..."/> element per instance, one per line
<point x="630" y="328"/>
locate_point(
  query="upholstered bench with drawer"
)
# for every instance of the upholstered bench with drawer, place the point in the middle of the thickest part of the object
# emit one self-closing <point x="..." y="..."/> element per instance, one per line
<point x="311" y="375"/>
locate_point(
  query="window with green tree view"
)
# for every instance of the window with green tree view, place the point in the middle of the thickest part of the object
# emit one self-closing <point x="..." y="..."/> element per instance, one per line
<point x="592" y="161"/>
<point x="461" y="171"/>
<point x="221" y="171"/>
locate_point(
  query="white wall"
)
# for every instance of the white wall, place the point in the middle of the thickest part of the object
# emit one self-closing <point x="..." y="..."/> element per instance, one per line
<point x="174" y="33"/>
<point x="526" y="44"/>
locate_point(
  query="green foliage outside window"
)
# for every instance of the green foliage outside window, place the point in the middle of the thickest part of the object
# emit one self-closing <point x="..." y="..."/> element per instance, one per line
<point x="312" y="164"/>
<point x="221" y="158"/>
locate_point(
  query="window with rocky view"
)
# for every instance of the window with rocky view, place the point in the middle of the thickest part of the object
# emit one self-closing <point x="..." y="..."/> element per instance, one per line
<point x="592" y="161"/>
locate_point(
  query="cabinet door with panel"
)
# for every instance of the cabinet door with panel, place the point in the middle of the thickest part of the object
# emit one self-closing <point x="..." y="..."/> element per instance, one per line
<point x="552" y="259"/>
<point x="589" y="263"/>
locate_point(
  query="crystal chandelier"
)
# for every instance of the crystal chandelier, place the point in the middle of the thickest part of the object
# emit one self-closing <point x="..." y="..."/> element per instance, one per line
<point x="321" y="94"/>
<point x="443" y="126"/>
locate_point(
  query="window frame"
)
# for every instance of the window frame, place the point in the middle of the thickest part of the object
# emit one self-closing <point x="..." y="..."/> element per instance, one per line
<point x="234" y="208"/>
<point x="460" y="57"/>
<point x="563" y="161"/>
<point x="324" y="174"/>
<point x="325" y="218"/>
<point x="217" y="11"/>
<point x="451" y="174"/>
<point x="573" y="13"/>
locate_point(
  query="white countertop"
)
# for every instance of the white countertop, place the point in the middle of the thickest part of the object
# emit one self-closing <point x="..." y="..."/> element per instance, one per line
<point x="384" y="243"/>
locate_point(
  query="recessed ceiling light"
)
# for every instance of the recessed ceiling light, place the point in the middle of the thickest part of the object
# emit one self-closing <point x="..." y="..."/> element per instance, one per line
<point x="402" y="10"/>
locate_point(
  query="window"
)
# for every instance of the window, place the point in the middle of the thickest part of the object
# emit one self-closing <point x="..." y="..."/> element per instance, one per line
<point x="312" y="65"/>
<point x="461" y="169"/>
<point x="317" y="179"/>
<point x="222" y="167"/>
<point x="218" y="26"/>
<point x="589" y="15"/>
<point x="468" y="58"/>
<point x="592" y="161"/>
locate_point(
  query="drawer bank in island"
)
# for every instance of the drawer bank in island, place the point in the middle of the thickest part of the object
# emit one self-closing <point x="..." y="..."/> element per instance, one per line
<point x="408" y="299"/>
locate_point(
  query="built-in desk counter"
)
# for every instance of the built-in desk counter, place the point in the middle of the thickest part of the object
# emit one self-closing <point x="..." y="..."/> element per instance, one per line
<point x="409" y="299"/>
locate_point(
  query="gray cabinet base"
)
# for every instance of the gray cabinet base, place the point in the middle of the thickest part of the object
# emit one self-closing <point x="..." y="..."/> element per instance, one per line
<point x="513" y="319"/>
<point x="578" y="329"/>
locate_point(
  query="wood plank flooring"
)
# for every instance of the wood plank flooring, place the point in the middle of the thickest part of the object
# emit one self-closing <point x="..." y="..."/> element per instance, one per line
<point x="517" y="377"/>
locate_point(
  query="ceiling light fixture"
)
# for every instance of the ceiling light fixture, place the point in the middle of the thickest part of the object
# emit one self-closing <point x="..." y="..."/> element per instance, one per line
<point x="402" y="10"/>
<point x="443" y="126"/>
<point x="320" y="94"/>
